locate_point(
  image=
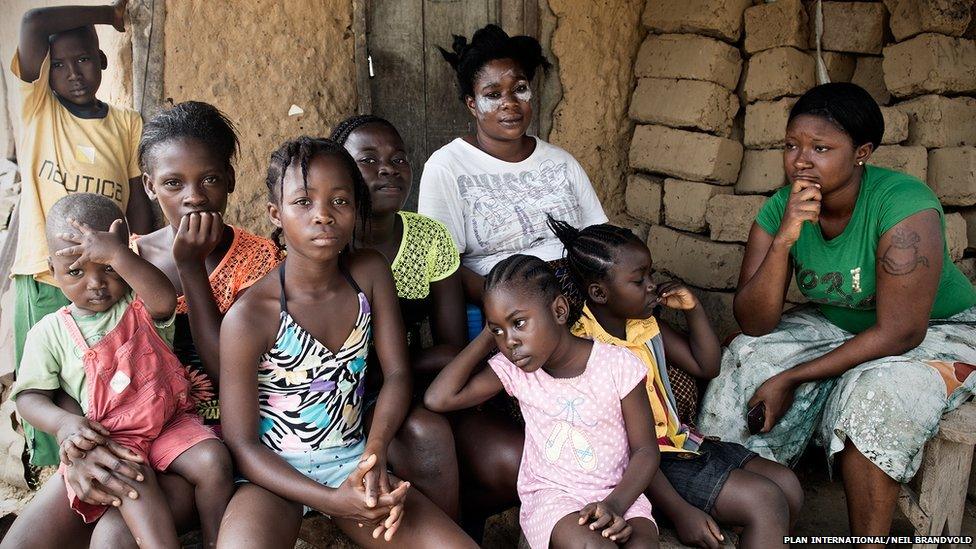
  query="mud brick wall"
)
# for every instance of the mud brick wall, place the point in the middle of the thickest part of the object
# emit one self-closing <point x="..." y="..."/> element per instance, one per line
<point x="715" y="80"/>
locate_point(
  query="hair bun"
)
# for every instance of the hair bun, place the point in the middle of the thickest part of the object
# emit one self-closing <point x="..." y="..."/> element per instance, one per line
<point x="459" y="46"/>
<point x="489" y="43"/>
<point x="489" y="35"/>
<point x="532" y="50"/>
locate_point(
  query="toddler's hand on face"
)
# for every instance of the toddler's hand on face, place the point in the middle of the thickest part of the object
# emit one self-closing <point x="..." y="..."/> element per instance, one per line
<point x="102" y="247"/>
<point x="675" y="295"/>
<point x="198" y="235"/>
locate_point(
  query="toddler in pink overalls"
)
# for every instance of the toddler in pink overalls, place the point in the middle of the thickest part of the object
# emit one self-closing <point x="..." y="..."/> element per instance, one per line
<point x="111" y="351"/>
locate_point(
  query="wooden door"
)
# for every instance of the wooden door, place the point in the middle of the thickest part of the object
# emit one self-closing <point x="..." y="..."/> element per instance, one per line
<point x="407" y="80"/>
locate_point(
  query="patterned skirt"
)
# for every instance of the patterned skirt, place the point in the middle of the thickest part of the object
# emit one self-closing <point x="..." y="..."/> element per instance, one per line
<point x="888" y="407"/>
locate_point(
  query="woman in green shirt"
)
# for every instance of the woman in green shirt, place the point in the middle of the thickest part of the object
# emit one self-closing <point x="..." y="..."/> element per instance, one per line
<point x="887" y="345"/>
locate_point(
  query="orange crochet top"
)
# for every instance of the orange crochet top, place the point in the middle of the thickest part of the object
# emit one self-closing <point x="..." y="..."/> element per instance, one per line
<point x="249" y="258"/>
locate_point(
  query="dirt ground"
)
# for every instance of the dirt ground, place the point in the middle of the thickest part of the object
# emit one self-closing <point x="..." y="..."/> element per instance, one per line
<point x="824" y="513"/>
<point x="825" y="507"/>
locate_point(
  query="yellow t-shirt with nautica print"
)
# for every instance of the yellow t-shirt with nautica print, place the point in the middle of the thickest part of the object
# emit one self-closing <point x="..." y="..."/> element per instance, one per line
<point x="60" y="153"/>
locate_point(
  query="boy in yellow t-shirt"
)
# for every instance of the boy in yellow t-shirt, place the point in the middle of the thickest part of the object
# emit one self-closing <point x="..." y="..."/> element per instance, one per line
<point x="69" y="142"/>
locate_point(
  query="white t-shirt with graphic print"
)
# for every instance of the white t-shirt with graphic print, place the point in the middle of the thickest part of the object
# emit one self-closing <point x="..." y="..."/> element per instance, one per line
<point x="494" y="209"/>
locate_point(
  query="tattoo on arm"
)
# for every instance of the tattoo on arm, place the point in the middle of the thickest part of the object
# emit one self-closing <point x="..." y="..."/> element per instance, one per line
<point x="902" y="257"/>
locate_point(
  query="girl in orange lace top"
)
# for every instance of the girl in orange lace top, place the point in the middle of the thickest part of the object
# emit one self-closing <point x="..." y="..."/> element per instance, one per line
<point x="185" y="155"/>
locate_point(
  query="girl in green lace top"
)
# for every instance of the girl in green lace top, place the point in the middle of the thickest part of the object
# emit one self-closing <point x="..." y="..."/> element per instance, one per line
<point x="425" y="263"/>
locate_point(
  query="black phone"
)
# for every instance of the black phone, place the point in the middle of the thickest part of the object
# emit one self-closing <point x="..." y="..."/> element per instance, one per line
<point x="756" y="418"/>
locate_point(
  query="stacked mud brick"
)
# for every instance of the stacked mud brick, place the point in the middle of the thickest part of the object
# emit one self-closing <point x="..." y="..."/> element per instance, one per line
<point x="687" y="147"/>
<point x="715" y="80"/>
<point x="929" y="67"/>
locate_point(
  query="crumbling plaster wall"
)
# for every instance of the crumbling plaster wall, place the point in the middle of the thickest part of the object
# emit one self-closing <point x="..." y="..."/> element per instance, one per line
<point x="254" y="62"/>
<point x="596" y="43"/>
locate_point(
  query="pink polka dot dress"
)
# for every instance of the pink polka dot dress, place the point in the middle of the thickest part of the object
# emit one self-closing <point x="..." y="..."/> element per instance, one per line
<point x="576" y="446"/>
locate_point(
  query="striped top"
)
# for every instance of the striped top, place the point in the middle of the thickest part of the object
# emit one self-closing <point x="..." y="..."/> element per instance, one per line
<point x="310" y="398"/>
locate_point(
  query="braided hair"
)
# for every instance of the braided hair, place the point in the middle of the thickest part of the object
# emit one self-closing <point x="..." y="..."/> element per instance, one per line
<point x="527" y="273"/>
<point x="344" y="129"/>
<point x="487" y="44"/>
<point x="190" y="119"/>
<point x="590" y="252"/>
<point x="301" y="151"/>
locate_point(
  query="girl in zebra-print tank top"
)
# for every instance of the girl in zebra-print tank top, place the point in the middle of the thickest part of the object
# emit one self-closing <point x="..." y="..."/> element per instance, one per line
<point x="310" y="397"/>
<point x="293" y="354"/>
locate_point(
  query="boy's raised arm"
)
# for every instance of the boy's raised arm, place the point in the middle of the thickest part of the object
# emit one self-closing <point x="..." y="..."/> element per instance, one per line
<point x="39" y="23"/>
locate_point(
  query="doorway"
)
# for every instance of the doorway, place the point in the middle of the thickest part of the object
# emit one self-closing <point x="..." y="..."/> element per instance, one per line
<point x="405" y="80"/>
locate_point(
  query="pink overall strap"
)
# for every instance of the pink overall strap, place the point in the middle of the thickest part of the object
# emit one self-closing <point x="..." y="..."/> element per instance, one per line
<point x="138" y="309"/>
<point x="72" y="327"/>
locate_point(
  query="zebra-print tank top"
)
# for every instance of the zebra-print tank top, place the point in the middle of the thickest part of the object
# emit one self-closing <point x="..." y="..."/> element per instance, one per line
<point x="310" y="398"/>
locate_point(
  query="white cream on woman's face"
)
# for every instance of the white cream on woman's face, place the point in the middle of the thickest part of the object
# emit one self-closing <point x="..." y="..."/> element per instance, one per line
<point x="501" y="102"/>
<point x="491" y="99"/>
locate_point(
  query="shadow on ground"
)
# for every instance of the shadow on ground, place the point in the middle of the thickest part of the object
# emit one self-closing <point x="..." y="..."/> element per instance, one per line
<point x="824" y="514"/>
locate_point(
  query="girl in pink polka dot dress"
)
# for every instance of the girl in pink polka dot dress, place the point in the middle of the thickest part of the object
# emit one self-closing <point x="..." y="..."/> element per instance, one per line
<point x="589" y="448"/>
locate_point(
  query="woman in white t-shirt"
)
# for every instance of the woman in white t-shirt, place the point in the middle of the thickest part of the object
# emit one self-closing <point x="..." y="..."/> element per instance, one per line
<point x="493" y="190"/>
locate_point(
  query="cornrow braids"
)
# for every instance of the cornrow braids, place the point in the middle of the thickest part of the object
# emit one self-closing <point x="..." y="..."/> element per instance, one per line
<point x="526" y="273"/>
<point x="344" y="129"/>
<point x="302" y="150"/>
<point x="189" y="119"/>
<point x="590" y="252"/>
<point x="487" y="44"/>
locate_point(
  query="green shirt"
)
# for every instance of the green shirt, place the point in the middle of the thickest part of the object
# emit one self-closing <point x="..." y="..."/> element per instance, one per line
<point x="52" y="360"/>
<point x="427" y="255"/>
<point x="839" y="274"/>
